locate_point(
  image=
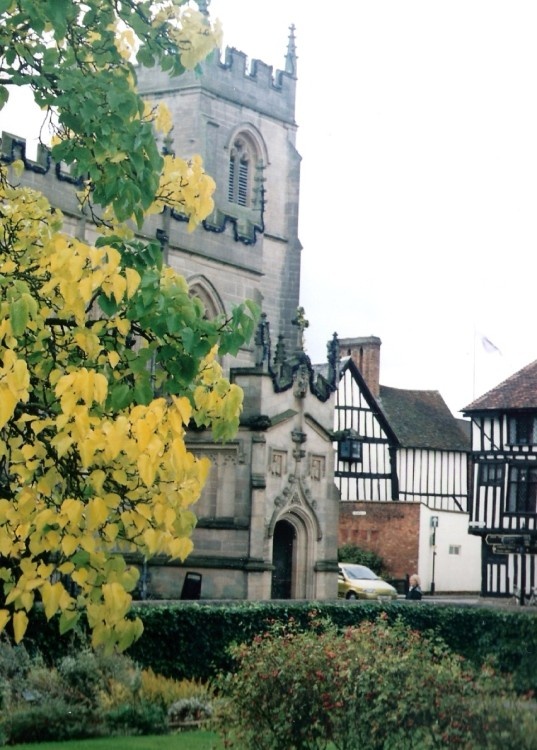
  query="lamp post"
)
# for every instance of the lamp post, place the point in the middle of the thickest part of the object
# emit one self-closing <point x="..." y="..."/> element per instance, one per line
<point x="434" y="526"/>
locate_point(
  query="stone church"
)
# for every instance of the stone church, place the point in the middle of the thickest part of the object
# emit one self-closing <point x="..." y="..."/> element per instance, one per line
<point x="268" y="517"/>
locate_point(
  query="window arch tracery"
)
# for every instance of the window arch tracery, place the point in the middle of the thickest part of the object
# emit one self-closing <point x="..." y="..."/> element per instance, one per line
<point x="242" y="164"/>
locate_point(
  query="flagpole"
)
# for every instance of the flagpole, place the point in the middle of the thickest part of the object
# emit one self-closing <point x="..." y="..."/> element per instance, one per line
<point x="473" y="369"/>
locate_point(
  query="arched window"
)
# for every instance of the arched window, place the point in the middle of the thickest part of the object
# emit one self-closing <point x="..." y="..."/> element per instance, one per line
<point x="202" y="288"/>
<point x="242" y="163"/>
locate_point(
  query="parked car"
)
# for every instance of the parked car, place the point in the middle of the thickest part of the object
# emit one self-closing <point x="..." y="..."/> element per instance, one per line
<point x="359" y="582"/>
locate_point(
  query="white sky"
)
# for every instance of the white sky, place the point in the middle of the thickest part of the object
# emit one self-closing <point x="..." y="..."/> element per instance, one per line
<point x="418" y="135"/>
<point x="418" y="216"/>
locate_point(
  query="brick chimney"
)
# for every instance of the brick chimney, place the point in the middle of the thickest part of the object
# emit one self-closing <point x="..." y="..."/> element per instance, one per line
<point x="365" y="353"/>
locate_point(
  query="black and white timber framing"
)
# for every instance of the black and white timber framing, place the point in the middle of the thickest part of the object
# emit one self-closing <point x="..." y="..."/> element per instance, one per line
<point x="504" y="508"/>
<point x="409" y="446"/>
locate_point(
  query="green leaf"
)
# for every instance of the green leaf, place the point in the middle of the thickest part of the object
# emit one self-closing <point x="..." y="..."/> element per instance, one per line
<point x="143" y="392"/>
<point x="19" y="314"/>
<point x="107" y="305"/>
<point x="4" y="96"/>
<point x="119" y="397"/>
<point x="68" y="619"/>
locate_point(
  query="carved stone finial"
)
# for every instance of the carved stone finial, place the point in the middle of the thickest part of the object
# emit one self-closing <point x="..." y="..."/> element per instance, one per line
<point x="262" y="342"/>
<point x="290" y="57"/>
<point x="333" y="361"/>
<point x="301" y="323"/>
<point x="280" y="355"/>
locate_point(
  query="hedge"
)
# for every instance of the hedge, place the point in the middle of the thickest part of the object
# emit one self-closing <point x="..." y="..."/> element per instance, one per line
<point x="191" y="639"/>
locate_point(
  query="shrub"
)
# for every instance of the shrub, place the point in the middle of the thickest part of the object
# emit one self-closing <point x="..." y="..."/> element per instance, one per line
<point x="189" y="709"/>
<point x="138" y="718"/>
<point x="376" y="686"/>
<point x="15" y="663"/>
<point x="351" y="553"/>
<point x="190" y="640"/>
<point x="165" y="691"/>
<point x="76" y="699"/>
<point x="53" y="720"/>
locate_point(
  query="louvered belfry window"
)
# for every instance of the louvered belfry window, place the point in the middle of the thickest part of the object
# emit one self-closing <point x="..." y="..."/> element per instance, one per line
<point x="240" y="168"/>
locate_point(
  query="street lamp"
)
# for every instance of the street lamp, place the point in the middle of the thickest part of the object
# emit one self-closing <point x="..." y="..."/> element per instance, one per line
<point x="434" y="526"/>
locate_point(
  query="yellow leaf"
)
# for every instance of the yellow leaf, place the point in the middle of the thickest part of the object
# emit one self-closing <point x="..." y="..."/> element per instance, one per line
<point x="50" y="594"/>
<point x="133" y="281"/>
<point x="110" y="531"/>
<point x="4" y="619"/>
<point x="96" y="513"/>
<point x="113" y="358"/>
<point x="80" y="576"/>
<point x="152" y="541"/>
<point x="100" y="388"/>
<point x="8" y="402"/>
<point x="73" y="509"/>
<point x="20" y="623"/>
<point x="184" y="408"/>
<point x="147" y="468"/>
<point x="180" y="548"/>
<point x="69" y="544"/>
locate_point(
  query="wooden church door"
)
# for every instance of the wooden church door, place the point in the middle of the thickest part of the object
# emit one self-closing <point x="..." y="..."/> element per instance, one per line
<point x="282" y="558"/>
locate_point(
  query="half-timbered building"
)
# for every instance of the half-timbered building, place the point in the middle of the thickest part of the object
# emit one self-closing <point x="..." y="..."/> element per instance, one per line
<point x="402" y="472"/>
<point x="504" y="509"/>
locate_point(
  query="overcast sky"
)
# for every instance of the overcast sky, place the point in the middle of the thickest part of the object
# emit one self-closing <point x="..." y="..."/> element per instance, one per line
<point x="418" y="135"/>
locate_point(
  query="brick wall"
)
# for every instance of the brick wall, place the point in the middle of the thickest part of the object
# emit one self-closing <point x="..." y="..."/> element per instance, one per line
<point x="391" y="530"/>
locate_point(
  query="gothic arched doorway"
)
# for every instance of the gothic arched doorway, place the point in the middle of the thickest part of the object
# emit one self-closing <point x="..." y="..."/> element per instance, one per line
<point x="283" y="553"/>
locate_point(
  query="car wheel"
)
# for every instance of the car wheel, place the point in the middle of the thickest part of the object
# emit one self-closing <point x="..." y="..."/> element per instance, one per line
<point x="352" y="595"/>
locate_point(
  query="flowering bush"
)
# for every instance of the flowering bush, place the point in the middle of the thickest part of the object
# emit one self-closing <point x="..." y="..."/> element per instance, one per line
<point x="373" y="687"/>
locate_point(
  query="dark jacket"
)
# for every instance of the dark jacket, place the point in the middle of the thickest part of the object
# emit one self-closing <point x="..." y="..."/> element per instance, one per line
<point x="414" y="593"/>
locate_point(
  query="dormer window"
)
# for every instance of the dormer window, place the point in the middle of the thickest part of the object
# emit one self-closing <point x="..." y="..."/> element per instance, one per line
<point x="241" y="165"/>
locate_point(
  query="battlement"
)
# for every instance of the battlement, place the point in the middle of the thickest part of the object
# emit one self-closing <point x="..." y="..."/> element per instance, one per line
<point x="13" y="147"/>
<point x="257" y="87"/>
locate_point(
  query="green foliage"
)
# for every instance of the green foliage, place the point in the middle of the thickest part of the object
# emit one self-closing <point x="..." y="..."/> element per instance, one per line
<point x="79" y="61"/>
<point x="190" y="709"/>
<point x="105" y="357"/>
<point x="351" y="553"/>
<point x="141" y="717"/>
<point x="87" y="694"/>
<point x="192" y="640"/>
<point x="378" y="686"/>
<point x="164" y="691"/>
<point x="54" y="719"/>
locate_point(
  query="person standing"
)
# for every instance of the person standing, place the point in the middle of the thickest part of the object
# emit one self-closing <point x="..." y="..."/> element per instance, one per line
<point x="414" y="591"/>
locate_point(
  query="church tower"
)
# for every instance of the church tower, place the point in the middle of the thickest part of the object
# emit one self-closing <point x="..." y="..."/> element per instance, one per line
<point x="241" y="120"/>
<point x="267" y="519"/>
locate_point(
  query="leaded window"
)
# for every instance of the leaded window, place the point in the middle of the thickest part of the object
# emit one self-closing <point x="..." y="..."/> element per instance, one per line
<point x="491" y="474"/>
<point x="523" y="429"/>
<point x="522" y="489"/>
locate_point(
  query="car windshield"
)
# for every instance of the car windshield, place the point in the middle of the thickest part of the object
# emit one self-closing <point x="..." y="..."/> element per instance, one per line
<point x="359" y="572"/>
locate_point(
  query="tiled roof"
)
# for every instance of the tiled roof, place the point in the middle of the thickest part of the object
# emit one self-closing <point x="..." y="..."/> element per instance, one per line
<point x="517" y="392"/>
<point x="422" y="419"/>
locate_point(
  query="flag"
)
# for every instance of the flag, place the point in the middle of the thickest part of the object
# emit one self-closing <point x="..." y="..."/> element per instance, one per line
<point x="488" y="346"/>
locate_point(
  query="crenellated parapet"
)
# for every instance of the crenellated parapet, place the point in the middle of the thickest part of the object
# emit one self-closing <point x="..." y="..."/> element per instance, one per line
<point x="13" y="148"/>
<point x="256" y="86"/>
